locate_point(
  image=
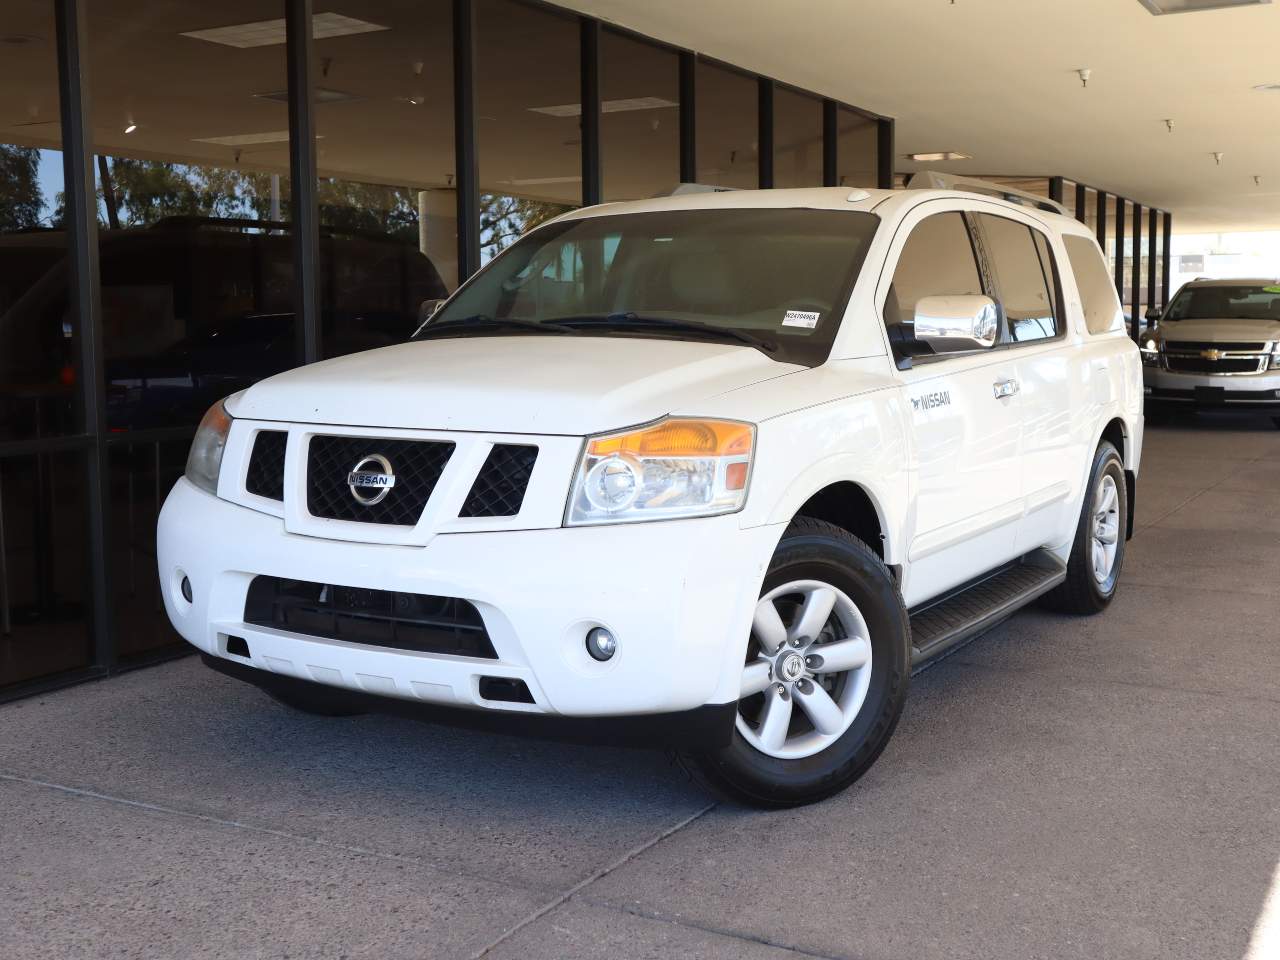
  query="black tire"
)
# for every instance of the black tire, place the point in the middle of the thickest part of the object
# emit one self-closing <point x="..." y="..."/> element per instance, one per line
<point x="1081" y="593"/>
<point x="815" y="550"/>
<point x="316" y="699"/>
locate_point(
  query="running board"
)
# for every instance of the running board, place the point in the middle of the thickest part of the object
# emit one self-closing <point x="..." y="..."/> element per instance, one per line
<point x="975" y="608"/>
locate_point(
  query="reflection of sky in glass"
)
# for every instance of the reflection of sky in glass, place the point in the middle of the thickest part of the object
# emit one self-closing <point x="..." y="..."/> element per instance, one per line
<point x="51" y="182"/>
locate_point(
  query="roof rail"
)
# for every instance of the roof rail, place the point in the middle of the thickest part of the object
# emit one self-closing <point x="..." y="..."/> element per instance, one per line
<point x="933" y="180"/>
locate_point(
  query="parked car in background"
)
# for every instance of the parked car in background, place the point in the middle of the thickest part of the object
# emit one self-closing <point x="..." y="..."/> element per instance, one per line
<point x="716" y="470"/>
<point x="1216" y="346"/>
<point x="196" y="308"/>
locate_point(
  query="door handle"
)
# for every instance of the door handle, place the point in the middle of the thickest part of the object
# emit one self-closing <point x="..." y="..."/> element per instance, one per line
<point x="1005" y="388"/>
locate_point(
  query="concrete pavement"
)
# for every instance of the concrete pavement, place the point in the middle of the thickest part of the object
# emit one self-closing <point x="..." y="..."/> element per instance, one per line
<point x="1059" y="788"/>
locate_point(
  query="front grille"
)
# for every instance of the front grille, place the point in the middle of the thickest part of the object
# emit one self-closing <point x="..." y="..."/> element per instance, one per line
<point x="380" y="618"/>
<point x="416" y="465"/>
<point x="266" y="465"/>
<point x="1196" y="345"/>
<point x="1202" y="365"/>
<point x="501" y="483"/>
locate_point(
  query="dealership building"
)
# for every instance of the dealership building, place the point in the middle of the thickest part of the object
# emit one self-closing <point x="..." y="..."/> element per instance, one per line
<point x="195" y="196"/>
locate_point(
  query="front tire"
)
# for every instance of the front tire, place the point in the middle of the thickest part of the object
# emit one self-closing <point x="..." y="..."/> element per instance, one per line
<point x="826" y="675"/>
<point x="1097" y="554"/>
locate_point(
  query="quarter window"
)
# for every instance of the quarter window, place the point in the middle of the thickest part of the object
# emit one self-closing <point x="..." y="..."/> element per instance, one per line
<point x="937" y="261"/>
<point x="1022" y="272"/>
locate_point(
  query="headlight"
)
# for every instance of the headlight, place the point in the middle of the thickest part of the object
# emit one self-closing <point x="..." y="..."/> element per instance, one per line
<point x="676" y="468"/>
<point x="1150" y="349"/>
<point x="205" y="459"/>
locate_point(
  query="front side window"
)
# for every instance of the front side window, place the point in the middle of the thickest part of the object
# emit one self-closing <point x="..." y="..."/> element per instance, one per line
<point x="776" y="279"/>
<point x="1022" y="272"/>
<point x="1254" y="301"/>
<point x="937" y="261"/>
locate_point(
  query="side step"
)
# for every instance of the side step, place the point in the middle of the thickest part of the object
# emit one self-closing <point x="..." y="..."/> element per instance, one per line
<point x="953" y="618"/>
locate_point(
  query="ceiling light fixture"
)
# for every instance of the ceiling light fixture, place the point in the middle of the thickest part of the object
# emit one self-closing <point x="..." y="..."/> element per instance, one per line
<point x="268" y="33"/>
<point x="935" y="157"/>
<point x="1217" y="158"/>
<point x="322" y="95"/>
<point x="248" y="139"/>
<point x="606" y="106"/>
<point x="1160" y="8"/>
<point x="1084" y="73"/>
<point x="1169" y="124"/>
<point x="130" y="127"/>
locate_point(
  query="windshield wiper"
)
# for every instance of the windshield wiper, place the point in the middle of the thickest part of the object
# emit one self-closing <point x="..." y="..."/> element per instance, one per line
<point x="483" y="321"/>
<point x="634" y="321"/>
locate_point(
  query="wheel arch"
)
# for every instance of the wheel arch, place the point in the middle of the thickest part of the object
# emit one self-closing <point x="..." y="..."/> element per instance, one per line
<point x="1117" y="433"/>
<point x="851" y="504"/>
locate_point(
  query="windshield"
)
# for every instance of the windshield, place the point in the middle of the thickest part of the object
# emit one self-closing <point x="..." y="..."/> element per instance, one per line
<point x="773" y="279"/>
<point x="1244" y="302"/>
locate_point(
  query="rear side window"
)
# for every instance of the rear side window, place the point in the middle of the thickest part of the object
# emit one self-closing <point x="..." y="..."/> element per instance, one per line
<point x="1022" y="272"/>
<point x="1102" y="312"/>
<point x="937" y="261"/>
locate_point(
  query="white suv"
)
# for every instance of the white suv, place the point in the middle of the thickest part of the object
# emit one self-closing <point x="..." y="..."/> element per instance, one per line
<point x="715" y="470"/>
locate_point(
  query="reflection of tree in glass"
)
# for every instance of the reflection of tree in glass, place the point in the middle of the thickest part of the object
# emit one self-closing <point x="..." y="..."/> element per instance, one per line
<point x="146" y="191"/>
<point x="504" y="219"/>
<point x="21" y="198"/>
<point x="371" y="208"/>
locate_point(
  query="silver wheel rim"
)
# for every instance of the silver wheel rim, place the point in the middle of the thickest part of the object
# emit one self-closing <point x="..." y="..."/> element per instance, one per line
<point x="808" y="671"/>
<point x="1105" y="529"/>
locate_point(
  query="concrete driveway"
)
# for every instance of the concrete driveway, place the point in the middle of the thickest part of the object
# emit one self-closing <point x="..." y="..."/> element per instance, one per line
<point x="1060" y="788"/>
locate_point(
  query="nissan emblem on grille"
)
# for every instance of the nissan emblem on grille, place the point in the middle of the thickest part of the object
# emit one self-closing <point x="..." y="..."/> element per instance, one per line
<point x="365" y="477"/>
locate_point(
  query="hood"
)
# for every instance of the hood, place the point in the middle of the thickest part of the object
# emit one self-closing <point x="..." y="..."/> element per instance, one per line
<point x="520" y="384"/>
<point x="1223" y="331"/>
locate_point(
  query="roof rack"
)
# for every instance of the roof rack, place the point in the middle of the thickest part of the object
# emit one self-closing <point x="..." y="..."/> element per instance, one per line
<point x="933" y="180"/>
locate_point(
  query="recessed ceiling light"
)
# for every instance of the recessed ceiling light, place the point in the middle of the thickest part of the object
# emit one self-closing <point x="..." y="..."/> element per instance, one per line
<point x="245" y="139"/>
<point x="323" y="95"/>
<point x="542" y="181"/>
<point x="130" y="128"/>
<point x="607" y="106"/>
<point x="1161" y="7"/>
<point x="267" y="33"/>
<point x="933" y="157"/>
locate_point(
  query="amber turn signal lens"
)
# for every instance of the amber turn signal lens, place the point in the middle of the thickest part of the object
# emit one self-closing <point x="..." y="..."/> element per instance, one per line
<point x="680" y="438"/>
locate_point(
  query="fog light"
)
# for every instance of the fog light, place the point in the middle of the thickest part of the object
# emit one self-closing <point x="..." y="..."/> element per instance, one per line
<point x="185" y="587"/>
<point x="601" y="644"/>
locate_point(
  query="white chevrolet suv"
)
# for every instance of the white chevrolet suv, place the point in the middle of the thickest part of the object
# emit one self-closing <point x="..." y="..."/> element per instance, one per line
<point x="1217" y="345"/>
<point x="714" y="470"/>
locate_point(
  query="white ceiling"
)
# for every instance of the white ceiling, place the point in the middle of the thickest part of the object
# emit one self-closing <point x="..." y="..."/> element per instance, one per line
<point x="997" y="79"/>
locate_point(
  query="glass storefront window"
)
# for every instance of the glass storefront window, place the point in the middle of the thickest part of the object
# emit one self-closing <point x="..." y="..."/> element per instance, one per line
<point x="37" y="377"/>
<point x="797" y="139"/>
<point x="528" y="113"/>
<point x="727" y="113"/>
<point x="857" y="149"/>
<point x="190" y="127"/>
<point x="44" y="617"/>
<point x="639" y="118"/>
<point x="385" y="152"/>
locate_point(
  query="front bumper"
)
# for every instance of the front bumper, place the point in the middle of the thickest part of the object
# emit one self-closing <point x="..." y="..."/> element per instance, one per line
<point x="1252" y="391"/>
<point x="678" y="595"/>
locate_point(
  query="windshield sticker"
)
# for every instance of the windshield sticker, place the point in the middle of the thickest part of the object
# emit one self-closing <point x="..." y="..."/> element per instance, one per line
<point x="801" y="318"/>
<point x="1271" y="289"/>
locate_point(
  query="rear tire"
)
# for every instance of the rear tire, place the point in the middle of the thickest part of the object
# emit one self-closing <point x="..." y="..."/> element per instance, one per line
<point x="848" y="688"/>
<point x="1097" y="554"/>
